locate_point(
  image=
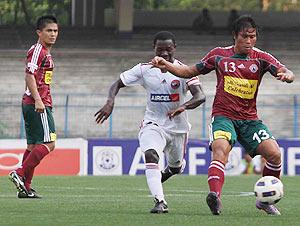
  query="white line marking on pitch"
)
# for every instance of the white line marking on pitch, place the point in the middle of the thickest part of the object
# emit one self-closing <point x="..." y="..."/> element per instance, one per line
<point x="168" y="192"/>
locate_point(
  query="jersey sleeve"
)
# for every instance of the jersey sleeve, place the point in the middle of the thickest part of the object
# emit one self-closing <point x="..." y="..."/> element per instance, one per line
<point x="269" y="63"/>
<point x="193" y="81"/>
<point x="35" y="56"/>
<point x="132" y="76"/>
<point x="207" y="64"/>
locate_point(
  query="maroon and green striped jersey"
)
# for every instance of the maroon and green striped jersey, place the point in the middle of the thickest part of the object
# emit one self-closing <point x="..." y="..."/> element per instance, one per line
<point x="40" y="64"/>
<point x="238" y="79"/>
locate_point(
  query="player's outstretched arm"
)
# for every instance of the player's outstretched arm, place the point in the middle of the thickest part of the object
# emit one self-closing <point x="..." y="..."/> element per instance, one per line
<point x="182" y="71"/>
<point x="107" y="109"/>
<point x="198" y="97"/>
<point x="285" y="75"/>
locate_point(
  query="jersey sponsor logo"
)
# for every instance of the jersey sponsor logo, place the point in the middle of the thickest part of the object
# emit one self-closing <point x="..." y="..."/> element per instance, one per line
<point x="48" y="77"/>
<point x="243" y="88"/>
<point x="253" y="68"/>
<point x="164" y="97"/>
<point x="175" y="84"/>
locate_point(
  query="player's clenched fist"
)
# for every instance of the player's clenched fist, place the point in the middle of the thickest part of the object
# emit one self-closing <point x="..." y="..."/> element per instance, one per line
<point x="285" y="75"/>
<point x="159" y="62"/>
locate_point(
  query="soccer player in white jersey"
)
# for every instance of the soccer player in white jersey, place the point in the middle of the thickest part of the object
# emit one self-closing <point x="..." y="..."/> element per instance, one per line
<point x="165" y="125"/>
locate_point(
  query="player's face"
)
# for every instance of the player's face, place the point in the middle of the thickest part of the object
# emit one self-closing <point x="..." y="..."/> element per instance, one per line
<point x="245" y="40"/>
<point x="48" y="34"/>
<point x="165" y="49"/>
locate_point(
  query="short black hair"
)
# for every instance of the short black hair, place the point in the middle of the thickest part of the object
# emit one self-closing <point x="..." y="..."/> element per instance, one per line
<point x="164" y="35"/>
<point x="43" y="20"/>
<point x="243" y="22"/>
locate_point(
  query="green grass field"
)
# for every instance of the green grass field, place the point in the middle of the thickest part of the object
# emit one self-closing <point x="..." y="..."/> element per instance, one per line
<point x="125" y="200"/>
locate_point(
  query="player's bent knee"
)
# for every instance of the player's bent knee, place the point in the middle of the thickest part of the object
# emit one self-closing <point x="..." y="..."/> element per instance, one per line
<point x="151" y="156"/>
<point x="275" y="158"/>
<point x="220" y="155"/>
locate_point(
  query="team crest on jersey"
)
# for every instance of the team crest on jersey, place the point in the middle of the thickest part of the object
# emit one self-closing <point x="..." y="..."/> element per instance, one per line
<point x="175" y="84"/>
<point x="253" y="68"/>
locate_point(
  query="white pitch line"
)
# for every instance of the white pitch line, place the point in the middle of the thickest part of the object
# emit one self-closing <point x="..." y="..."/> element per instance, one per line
<point x="168" y="192"/>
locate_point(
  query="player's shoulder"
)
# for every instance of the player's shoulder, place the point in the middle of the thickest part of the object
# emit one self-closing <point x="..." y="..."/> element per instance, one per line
<point x="145" y="65"/>
<point x="140" y="69"/>
<point x="37" y="49"/>
<point x="260" y="53"/>
<point x="189" y="81"/>
<point x="221" y="51"/>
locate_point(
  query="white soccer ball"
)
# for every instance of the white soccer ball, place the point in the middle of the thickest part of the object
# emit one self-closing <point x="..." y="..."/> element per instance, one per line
<point x="268" y="190"/>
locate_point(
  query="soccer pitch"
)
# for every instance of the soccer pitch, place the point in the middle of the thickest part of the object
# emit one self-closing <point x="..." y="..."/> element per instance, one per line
<point x="125" y="200"/>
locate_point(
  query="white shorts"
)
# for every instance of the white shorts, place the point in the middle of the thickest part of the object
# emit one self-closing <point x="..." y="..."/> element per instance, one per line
<point x="173" y="145"/>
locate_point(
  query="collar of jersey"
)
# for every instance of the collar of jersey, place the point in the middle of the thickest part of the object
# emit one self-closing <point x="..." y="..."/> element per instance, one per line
<point x="240" y="56"/>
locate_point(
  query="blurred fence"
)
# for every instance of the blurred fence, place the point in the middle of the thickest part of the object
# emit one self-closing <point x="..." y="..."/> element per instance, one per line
<point x="74" y="116"/>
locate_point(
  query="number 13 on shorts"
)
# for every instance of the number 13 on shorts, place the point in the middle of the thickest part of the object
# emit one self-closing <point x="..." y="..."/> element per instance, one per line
<point x="261" y="135"/>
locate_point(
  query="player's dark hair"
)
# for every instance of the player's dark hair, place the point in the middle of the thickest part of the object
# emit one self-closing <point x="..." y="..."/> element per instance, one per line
<point x="164" y="35"/>
<point x="44" y="20"/>
<point x="244" y="22"/>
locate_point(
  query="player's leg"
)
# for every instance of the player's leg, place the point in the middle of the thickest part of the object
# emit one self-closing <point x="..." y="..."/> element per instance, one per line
<point x="258" y="140"/>
<point x="40" y="132"/>
<point x="17" y="178"/>
<point x="26" y="153"/>
<point x="269" y="149"/>
<point x="45" y="137"/>
<point x="152" y="142"/>
<point x="175" y="153"/>
<point x="36" y="155"/>
<point x="222" y="137"/>
<point x="171" y="171"/>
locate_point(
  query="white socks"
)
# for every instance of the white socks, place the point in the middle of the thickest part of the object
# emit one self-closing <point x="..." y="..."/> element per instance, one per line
<point x="153" y="176"/>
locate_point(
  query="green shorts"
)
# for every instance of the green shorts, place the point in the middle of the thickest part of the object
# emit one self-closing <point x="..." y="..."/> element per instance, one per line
<point x="39" y="127"/>
<point x="249" y="133"/>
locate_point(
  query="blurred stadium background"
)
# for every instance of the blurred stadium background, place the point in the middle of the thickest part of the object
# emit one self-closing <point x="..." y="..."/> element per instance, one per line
<point x="100" y="39"/>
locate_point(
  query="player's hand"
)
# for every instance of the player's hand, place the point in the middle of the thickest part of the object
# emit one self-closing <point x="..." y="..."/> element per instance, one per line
<point x="172" y="113"/>
<point x="159" y="62"/>
<point x="104" y="113"/>
<point x="285" y="75"/>
<point x="39" y="106"/>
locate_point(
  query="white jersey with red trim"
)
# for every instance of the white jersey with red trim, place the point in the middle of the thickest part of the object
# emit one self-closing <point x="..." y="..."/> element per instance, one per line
<point x="165" y="92"/>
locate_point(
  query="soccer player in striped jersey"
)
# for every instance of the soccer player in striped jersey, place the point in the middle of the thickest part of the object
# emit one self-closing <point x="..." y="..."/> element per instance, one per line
<point x="239" y="69"/>
<point x="165" y="125"/>
<point x="37" y="106"/>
